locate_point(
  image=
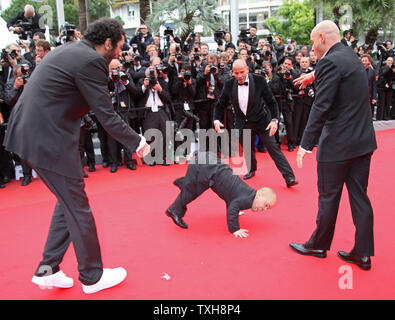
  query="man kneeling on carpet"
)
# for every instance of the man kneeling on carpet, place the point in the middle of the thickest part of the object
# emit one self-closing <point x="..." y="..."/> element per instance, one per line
<point x="207" y="171"/>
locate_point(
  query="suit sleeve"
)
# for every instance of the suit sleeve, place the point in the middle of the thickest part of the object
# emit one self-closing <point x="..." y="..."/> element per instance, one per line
<point x="328" y="79"/>
<point x="232" y="217"/>
<point x="223" y="101"/>
<point x="92" y="83"/>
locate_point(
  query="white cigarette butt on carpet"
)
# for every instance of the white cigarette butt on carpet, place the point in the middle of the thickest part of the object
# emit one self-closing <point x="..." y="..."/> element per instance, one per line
<point x="165" y="276"/>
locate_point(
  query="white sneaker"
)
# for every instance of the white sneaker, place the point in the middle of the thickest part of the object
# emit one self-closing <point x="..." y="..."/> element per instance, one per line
<point x="109" y="278"/>
<point x="58" y="280"/>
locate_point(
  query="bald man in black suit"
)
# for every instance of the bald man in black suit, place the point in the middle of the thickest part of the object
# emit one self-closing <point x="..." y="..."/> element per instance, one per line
<point x="340" y="122"/>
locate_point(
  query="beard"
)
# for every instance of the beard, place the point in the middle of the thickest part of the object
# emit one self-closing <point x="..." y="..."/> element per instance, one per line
<point x="110" y="55"/>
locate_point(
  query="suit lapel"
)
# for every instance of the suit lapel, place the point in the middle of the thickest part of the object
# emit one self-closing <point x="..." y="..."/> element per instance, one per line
<point x="235" y="93"/>
<point x="251" y="92"/>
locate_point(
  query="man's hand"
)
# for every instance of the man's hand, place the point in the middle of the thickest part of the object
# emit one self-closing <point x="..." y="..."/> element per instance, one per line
<point x="304" y="80"/>
<point x="241" y="233"/>
<point x="18" y="82"/>
<point x="272" y="126"/>
<point x="146" y="149"/>
<point x="299" y="157"/>
<point x="218" y="125"/>
<point x="157" y="87"/>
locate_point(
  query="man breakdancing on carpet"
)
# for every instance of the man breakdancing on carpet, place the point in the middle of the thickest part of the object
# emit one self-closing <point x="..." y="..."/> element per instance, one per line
<point x="207" y="171"/>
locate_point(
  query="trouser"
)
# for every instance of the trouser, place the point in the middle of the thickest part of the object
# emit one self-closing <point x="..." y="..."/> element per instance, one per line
<point x="331" y="178"/>
<point x="273" y="149"/>
<point x="86" y="146"/>
<point x="157" y="120"/>
<point x="192" y="186"/>
<point x="384" y="97"/>
<point x="72" y="221"/>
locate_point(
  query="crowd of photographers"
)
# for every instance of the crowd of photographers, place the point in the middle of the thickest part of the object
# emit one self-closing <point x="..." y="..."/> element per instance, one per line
<point x="158" y="79"/>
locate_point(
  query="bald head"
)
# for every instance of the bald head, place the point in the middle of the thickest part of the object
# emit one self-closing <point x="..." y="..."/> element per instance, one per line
<point x="265" y="198"/>
<point x="240" y="70"/>
<point x="324" y="36"/>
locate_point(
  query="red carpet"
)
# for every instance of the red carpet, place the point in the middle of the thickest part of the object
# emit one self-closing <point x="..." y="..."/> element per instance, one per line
<point x="204" y="261"/>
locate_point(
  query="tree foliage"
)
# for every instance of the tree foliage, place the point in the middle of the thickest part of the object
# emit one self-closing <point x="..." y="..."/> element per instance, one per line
<point x="183" y="16"/>
<point x="368" y="16"/>
<point x="97" y="9"/>
<point x="295" y="19"/>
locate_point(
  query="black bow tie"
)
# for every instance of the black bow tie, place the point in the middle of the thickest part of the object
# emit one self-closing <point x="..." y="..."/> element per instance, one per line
<point x="243" y="84"/>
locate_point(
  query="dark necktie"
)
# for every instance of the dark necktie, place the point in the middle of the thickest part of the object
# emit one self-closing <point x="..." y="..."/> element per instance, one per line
<point x="243" y="84"/>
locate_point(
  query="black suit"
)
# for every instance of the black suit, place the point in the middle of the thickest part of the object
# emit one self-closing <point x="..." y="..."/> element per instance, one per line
<point x="257" y="118"/>
<point x="206" y="171"/>
<point x="44" y="129"/>
<point x="340" y="119"/>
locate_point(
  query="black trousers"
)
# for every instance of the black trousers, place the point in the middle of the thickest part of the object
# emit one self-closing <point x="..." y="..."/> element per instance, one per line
<point x="384" y="99"/>
<point x="331" y="178"/>
<point x="273" y="149"/>
<point x="72" y="221"/>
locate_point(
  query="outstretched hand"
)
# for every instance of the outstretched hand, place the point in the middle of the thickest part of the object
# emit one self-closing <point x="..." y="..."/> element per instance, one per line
<point x="146" y="149"/>
<point x="241" y="233"/>
<point x="304" y="80"/>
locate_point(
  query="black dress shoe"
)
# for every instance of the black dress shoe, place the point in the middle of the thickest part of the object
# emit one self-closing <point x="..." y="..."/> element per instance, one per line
<point x="114" y="168"/>
<point x="362" y="262"/>
<point x="152" y="164"/>
<point x="6" y="179"/>
<point x="92" y="168"/>
<point x="249" y="175"/>
<point x="291" y="182"/>
<point x="2" y="185"/>
<point x="26" y="181"/>
<point x="301" y="249"/>
<point x="105" y="164"/>
<point x="131" y="166"/>
<point x="165" y="164"/>
<point x="176" y="219"/>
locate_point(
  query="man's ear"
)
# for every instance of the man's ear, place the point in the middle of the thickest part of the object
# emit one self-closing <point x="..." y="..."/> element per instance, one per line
<point x="107" y="44"/>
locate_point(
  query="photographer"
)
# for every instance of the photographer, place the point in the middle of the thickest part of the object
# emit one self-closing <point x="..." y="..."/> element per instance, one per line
<point x="248" y="58"/>
<point x="287" y="74"/>
<point x="155" y="95"/>
<point x="143" y="39"/>
<point x="26" y="23"/>
<point x="253" y="39"/>
<point x="384" y="51"/>
<point x="174" y="60"/>
<point x="67" y="34"/>
<point x="303" y="101"/>
<point x="123" y="94"/>
<point x="13" y="91"/>
<point x="367" y="62"/>
<point x="209" y="84"/>
<point x="183" y="103"/>
<point x="385" y="89"/>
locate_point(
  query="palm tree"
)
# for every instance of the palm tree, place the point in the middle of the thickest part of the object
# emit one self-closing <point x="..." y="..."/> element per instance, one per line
<point x="368" y="16"/>
<point x="144" y="9"/>
<point x="82" y="15"/>
<point x="185" y="15"/>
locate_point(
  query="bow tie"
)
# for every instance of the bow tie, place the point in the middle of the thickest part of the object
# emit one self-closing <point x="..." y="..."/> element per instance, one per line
<point x="243" y="84"/>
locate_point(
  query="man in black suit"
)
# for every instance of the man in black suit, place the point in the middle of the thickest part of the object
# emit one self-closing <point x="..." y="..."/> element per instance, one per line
<point x="341" y="121"/>
<point x="250" y="94"/>
<point x="206" y="171"/>
<point x="44" y="129"/>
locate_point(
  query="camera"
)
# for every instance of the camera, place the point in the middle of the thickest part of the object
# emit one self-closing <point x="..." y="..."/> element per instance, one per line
<point x="244" y="34"/>
<point x="5" y="54"/>
<point x="152" y="77"/>
<point x="118" y="75"/>
<point x="283" y="72"/>
<point x="25" y="72"/>
<point x="213" y="69"/>
<point x="185" y="76"/>
<point x="269" y="38"/>
<point x="168" y="32"/>
<point x="178" y="53"/>
<point x="26" y="29"/>
<point x="163" y="68"/>
<point x="219" y="37"/>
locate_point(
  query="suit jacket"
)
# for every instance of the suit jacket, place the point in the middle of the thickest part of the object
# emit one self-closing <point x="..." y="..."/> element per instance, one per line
<point x="207" y="168"/>
<point x="340" y="117"/>
<point x="372" y="84"/>
<point x="259" y="97"/>
<point x="44" y="126"/>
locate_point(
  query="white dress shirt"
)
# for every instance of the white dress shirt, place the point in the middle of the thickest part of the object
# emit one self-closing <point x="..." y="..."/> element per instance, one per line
<point x="243" y="96"/>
